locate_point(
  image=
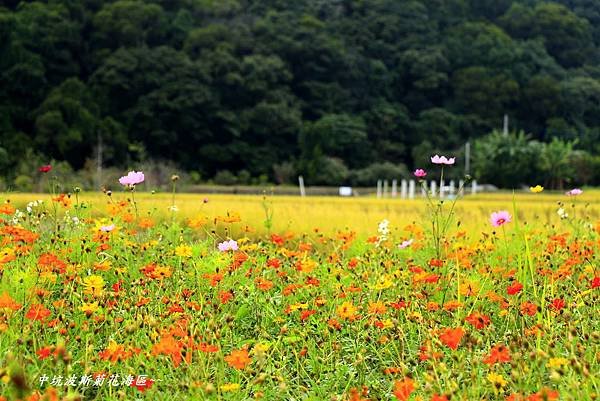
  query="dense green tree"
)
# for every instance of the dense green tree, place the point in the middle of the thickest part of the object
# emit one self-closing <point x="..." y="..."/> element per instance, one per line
<point x="334" y="90"/>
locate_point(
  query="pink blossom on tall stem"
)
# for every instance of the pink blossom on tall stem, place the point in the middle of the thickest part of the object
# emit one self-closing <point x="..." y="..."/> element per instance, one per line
<point x="442" y="160"/>
<point x="500" y="218"/>
<point x="420" y="173"/>
<point x="574" y="192"/>
<point x="230" y="245"/>
<point x="406" y="244"/>
<point x="132" y="178"/>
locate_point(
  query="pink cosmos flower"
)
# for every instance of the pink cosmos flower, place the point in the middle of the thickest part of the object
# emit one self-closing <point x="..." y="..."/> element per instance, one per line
<point x="230" y="245"/>
<point x="45" y="169"/>
<point x="132" y="178"/>
<point x="575" y="192"/>
<point x="406" y="244"/>
<point x="442" y="160"/>
<point x="499" y="218"/>
<point x="420" y="173"/>
<point x="108" y="228"/>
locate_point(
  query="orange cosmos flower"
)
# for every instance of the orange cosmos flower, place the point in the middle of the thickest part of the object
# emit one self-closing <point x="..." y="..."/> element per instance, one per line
<point x="7" y="209"/>
<point x="528" y="308"/>
<point x="403" y="388"/>
<point x="452" y="337"/>
<point x="238" y="359"/>
<point x="169" y="346"/>
<point x="37" y="312"/>
<point x="263" y="284"/>
<point x="347" y="311"/>
<point x="498" y="354"/>
<point x="478" y="320"/>
<point x="7" y="302"/>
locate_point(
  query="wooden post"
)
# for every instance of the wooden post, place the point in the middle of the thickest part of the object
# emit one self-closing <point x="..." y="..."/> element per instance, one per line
<point x="385" y="188"/>
<point x="451" y="189"/>
<point x="474" y="187"/>
<point x="433" y="188"/>
<point x="411" y="189"/>
<point x="99" y="163"/>
<point x="378" y="189"/>
<point x="424" y="189"/>
<point x="394" y="188"/>
<point x="461" y="187"/>
<point x="442" y="185"/>
<point x="468" y="158"/>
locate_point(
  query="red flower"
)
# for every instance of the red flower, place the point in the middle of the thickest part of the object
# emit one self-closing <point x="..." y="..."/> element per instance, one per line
<point x="514" y="288"/>
<point x="439" y="398"/>
<point x="45" y="169"/>
<point x="452" y="337"/>
<point x="306" y="314"/>
<point x="595" y="282"/>
<point x="436" y="263"/>
<point x="544" y="394"/>
<point x="274" y="263"/>
<point x="225" y="296"/>
<point x="37" y="312"/>
<point x="498" y="354"/>
<point x="142" y="385"/>
<point x="478" y="320"/>
<point x="557" y="304"/>
<point x="277" y="239"/>
<point x="44" y="352"/>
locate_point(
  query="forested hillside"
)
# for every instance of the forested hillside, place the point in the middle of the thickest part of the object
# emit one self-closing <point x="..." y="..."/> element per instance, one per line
<point x="334" y="89"/>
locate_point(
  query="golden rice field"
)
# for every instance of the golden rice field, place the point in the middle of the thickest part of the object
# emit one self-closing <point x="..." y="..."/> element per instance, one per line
<point x="330" y="214"/>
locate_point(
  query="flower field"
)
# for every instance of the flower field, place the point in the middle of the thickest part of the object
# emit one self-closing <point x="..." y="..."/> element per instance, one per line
<point x="159" y="297"/>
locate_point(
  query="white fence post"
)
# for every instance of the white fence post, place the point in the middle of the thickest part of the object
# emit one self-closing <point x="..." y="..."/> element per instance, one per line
<point x="403" y="189"/>
<point x="301" y="184"/>
<point x="411" y="189"/>
<point x="474" y="187"/>
<point x="379" y="189"/>
<point x="394" y="188"/>
<point x="433" y="189"/>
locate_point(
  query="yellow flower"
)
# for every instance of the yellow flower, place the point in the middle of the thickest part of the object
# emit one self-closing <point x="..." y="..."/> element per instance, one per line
<point x="557" y="362"/>
<point x="185" y="251"/>
<point x="346" y="310"/>
<point x="48" y="276"/>
<point x="387" y="323"/>
<point x="89" y="307"/>
<point x="537" y="189"/>
<point x="383" y="283"/>
<point x="295" y="307"/>
<point x="227" y="387"/>
<point x="249" y="248"/>
<point x="497" y="380"/>
<point x="94" y="285"/>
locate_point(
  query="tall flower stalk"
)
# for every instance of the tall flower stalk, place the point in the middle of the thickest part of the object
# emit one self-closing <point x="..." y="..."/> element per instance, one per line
<point x="131" y="180"/>
<point x="440" y="220"/>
